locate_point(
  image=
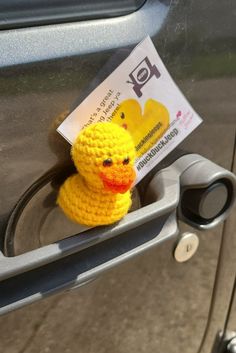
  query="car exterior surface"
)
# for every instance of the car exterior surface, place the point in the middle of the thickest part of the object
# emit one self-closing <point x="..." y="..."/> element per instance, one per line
<point x="152" y="302"/>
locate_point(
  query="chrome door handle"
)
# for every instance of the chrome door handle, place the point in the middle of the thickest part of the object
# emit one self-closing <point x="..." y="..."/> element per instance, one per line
<point x="77" y="260"/>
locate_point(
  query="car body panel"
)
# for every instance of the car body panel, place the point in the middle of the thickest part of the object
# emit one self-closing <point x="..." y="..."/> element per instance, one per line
<point x="151" y="303"/>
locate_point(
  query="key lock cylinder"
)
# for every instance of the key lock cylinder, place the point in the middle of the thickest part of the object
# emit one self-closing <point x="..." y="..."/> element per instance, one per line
<point x="192" y="189"/>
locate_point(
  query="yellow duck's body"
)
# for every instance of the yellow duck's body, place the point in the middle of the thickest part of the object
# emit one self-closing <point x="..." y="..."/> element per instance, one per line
<point x="145" y="129"/>
<point x="104" y="156"/>
<point x="92" y="207"/>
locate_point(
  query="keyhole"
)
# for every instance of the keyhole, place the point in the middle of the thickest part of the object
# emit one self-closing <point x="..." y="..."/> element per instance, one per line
<point x="189" y="247"/>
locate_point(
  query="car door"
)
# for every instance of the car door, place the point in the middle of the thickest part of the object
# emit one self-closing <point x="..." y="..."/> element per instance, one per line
<point x="151" y="302"/>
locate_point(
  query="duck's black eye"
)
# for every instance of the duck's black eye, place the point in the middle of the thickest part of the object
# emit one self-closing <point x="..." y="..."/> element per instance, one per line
<point x="122" y="115"/>
<point x="108" y="162"/>
<point x="126" y="160"/>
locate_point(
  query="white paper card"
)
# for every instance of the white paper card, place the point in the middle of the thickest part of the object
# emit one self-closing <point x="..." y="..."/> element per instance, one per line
<point x="141" y="96"/>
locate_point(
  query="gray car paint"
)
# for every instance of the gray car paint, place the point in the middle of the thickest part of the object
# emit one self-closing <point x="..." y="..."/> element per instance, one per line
<point x="152" y="303"/>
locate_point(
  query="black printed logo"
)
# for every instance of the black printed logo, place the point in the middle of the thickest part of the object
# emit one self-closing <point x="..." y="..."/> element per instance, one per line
<point x="142" y="74"/>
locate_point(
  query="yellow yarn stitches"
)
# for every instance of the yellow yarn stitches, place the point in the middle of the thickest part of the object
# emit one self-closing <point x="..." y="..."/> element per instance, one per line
<point x="104" y="156"/>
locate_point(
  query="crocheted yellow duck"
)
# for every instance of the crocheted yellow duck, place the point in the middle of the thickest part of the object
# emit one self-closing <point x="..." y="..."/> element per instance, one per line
<point x="145" y="129"/>
<point x="104" y="156"/>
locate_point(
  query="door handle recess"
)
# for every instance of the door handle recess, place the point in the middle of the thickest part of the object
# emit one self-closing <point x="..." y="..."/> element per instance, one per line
<point x="79" y="259"/>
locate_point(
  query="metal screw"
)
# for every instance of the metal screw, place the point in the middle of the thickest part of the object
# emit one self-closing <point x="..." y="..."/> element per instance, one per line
<point x="186" y="247"/>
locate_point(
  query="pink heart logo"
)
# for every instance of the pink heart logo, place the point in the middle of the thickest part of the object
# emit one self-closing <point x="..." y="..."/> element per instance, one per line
<point x="178" y="114"/>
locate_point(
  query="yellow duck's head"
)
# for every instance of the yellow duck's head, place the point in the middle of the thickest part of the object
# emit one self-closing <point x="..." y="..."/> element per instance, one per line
<point x="104" y="155"/>
<point x="128" y="115"/>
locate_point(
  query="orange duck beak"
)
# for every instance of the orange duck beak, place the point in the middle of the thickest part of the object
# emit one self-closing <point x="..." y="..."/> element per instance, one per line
<point x="118" y="179"/>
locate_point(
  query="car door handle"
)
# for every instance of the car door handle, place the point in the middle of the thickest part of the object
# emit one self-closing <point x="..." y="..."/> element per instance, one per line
<point x="80" y="258"/>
